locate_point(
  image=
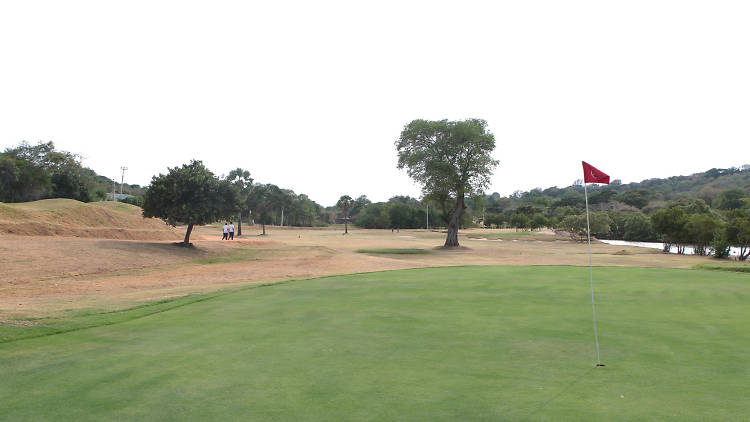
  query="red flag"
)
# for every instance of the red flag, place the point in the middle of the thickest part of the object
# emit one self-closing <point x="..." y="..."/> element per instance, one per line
<point x="593" y="175"/>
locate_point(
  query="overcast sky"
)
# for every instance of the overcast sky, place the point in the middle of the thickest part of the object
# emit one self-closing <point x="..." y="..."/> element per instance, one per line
<point x="312" y="95"/>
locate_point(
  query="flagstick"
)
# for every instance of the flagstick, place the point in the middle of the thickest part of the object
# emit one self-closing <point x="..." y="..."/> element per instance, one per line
<point x="591" y="275"/>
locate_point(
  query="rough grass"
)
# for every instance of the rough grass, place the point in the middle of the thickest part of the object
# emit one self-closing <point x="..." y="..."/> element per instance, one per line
<point x="738" y="267"/>
<point x="237" y="255"/>
<point x="395" y="251"/>
<point x="461" y="343"/>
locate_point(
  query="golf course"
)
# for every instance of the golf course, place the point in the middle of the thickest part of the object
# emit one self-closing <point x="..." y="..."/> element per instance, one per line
<point x="456" y="343"/>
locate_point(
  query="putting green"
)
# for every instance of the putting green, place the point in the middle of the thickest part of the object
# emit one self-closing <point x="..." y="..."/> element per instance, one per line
<point x="466" y="343"/>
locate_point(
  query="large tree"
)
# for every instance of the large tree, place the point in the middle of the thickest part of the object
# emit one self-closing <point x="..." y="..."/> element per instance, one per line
<point x="241" y="180"/>
<point x="450" y="160"/>
<point x="190" y="194"/>
<point x="345" y="203"/>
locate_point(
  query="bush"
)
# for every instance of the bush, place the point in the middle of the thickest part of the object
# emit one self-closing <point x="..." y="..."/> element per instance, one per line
<point x="720" y="245"/>
<point x="638" y="228"/>
<point x="576" y="224"/>
<point x="134" y="200"/>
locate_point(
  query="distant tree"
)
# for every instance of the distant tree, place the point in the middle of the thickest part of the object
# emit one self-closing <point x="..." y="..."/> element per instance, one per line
<point x="638" y="228"/>
<point x="32" y="172"/>
<point x="262" y="199"/>
<point x="576" y="225"/>
<point x="570" y="199"/>
<point x="383" y="221"/>
<point x="242" y="181"/>
<point x="720" y="245"/>
<point x="68" y="184"/>
<point x="345" y="203"/>
<point x="190" y="194"/>
<point x="669" y="224"/>
<point x="617" y="227"/>
<point x="692" y="205"/>
<point x="400" y="215"/>
<point x="539" y="221"/>
<point x="528" y="210"/>
<point x="730" y="199"/>
<point x="700" y="229"/>
<point x="738" y="234"/>
<point x="450" y="160"/>
<point x="602" y="196"/>
<point x="496" y="220"/>
<point x="519" y="221"/>
<point x="638" y="198"/>
<point x="359" y="204"/>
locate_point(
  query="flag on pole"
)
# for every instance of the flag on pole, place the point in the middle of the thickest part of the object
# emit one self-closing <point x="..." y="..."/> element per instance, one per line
<point x="592" y="174"/>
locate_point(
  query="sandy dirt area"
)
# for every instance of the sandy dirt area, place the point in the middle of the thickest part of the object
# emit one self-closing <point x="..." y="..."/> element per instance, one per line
<point x="53" y="275"/>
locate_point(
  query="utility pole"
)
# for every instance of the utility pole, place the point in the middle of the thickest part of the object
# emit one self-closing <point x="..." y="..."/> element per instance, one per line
<point x="484" y="220"/>
<point x="282" y="216"/>
<point x="428" y="217"/>
<point x="122" y="181"/>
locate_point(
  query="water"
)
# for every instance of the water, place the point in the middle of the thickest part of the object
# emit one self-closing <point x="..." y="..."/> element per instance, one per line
<point x="689" y="250"/>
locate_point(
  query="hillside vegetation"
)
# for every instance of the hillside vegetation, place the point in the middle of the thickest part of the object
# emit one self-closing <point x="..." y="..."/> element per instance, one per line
<point x="68" y="217"/>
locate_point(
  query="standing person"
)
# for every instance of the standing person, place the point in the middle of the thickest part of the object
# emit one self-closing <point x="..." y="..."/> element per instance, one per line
<point x="226" y="232"/>
<point x="231" y="231"/>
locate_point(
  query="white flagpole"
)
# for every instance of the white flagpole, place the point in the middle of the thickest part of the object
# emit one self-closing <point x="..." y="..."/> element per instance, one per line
<point x="591" y="276"/>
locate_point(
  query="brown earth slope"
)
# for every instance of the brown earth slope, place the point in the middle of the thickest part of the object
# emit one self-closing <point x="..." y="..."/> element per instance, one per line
<point x="67" y="217"/>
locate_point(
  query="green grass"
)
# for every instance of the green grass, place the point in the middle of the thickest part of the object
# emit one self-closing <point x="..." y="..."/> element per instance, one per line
<point x="739" y="267"/>
<point x="38" y="327"/>
<point x="395" y="251"/>
<point x="236" y="256"/>
<point x="461" y="343"/>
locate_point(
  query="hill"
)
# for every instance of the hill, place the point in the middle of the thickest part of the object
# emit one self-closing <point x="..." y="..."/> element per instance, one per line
<point x="647" y="195"/>
<point x="68" y="217"/>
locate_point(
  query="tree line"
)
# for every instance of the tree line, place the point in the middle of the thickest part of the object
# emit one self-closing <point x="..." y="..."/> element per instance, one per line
<point x="451" y="161"/>
<point x="34" y="172"/>
<point x="193" y="195"/>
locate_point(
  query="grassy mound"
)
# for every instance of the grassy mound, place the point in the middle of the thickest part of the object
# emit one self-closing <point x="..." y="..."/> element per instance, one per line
<point x="461" y="343"/>
<point x="67" y="217"/>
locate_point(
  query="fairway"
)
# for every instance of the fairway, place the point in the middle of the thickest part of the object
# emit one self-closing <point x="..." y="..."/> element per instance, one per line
<point x="458" y="343"/>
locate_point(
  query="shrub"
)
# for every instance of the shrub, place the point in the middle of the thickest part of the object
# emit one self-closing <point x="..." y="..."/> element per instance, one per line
<point x="720" y="245"/>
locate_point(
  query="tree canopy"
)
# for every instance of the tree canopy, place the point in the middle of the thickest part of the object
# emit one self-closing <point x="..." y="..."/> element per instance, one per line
<point x="450" y="160"/>
<point x="190" y="194"/>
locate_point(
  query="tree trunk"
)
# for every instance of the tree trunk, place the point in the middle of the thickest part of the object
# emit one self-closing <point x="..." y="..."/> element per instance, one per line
<point x="451" y="240"/>
<point x="264" y="228"/>
<point x="186" y="243"/>
<point x="346" y="224"/>
<point x="239" y="225"/>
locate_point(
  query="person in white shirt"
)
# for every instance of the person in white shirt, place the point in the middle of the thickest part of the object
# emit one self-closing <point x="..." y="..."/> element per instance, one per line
<point x="231" y="231"/>
<point x="226" y="232"/>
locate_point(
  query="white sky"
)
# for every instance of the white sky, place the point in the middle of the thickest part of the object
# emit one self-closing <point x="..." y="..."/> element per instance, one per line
<point x="312" y="95"/>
